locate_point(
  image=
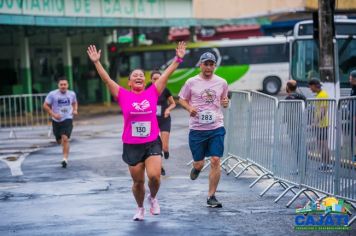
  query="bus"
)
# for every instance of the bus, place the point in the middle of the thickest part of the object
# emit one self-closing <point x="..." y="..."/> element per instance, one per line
<point x="249" y="64"/>
<point x="304" y="58"/>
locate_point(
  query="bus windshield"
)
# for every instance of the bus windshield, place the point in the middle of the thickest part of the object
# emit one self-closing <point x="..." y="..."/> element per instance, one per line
<point x="305" y="59"/>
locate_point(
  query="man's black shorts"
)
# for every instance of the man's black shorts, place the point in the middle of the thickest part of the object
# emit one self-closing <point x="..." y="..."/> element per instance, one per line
<point x="59" y="128"/>
<point x="136" y="153"/>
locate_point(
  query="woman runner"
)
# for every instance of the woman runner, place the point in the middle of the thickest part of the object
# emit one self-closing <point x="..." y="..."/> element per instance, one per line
<point x="142" y="148"/>
<point x="165" y="105"/>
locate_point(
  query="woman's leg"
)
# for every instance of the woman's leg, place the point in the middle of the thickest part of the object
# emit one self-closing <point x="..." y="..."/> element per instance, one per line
<point x="138" y="188"/>
<point x="153" y="168"/>
<point x="165" y="141"/>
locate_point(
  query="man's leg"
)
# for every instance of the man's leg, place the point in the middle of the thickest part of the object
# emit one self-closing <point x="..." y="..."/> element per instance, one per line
<point x="214" y="176"/>
<point x="198" y="165"/>
<point x="138" y="187"/>
<point x="65" y="146"/>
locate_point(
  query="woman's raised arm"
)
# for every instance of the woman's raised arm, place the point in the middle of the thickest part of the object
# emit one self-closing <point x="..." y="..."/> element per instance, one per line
<point x="162" y="80"/>
<point x="94" y="56"/>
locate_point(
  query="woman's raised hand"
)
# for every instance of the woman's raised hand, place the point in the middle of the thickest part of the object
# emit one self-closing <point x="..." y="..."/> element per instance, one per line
<point x="93" y="54"/>
<point x="180" y="50"/>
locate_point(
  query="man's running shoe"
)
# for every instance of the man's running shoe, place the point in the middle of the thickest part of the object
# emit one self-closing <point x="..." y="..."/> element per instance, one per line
<point x="213" y="202"/>
<point x="166" y="155"/>
<point x="64" y="163"/>
<point x="194" y="173"/>
<point x="139" y="214"/>
<point x="163" y="172"/>
<point x="155" y="209"/>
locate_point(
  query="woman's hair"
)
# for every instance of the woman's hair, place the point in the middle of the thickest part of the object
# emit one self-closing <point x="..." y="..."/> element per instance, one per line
<point x="134" y="70"/>
<point x="155" y="71"/>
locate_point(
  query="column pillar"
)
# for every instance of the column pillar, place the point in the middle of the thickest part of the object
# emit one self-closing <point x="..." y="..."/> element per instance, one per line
<point x="26" y="77"/>
<point x="105" y="62"/>
<point x="25" y="65"/>
<point x="68" y="64"/>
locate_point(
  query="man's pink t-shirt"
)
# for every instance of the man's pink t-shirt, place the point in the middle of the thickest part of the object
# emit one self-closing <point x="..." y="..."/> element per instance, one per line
<point x="139" y="111"/>
<point x="205" y="96"/>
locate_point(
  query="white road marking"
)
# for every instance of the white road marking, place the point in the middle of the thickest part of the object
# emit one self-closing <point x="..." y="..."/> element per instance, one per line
<point x="15" y="166"/>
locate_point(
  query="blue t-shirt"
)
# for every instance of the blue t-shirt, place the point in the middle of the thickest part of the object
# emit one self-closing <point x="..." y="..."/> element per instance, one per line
<point x="61" y="103"/>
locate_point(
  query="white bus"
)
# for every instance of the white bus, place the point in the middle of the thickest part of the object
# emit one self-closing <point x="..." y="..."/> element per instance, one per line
<point x="305" y="54"/>
<point x="260" y="63"/>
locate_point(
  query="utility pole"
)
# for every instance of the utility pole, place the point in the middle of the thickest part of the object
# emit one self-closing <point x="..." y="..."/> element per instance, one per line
<point x="326" y="47"/>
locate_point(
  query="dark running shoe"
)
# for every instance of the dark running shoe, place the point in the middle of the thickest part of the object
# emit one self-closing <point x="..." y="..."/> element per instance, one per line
<point x="163" y="172"/>
<point x="64" y="164"/>
<point x="194" y="173"/>
<point x="166" y="155"/>
<point x="213" y="202"/>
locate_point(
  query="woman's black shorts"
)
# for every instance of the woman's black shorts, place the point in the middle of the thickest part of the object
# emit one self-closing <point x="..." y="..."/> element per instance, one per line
<point x="164" y="124"/>
<point x="136" y="153"/>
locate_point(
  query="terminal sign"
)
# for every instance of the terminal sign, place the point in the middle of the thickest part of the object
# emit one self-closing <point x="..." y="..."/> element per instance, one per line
<point x="93" y="8"/>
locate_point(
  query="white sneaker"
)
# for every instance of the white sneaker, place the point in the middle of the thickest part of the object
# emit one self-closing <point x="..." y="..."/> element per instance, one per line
<point x="139" y="214"/>
<point x="155" y="209"/>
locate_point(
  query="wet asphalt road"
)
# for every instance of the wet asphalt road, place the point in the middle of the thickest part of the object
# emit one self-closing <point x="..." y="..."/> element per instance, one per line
<point x="93" y="195"/>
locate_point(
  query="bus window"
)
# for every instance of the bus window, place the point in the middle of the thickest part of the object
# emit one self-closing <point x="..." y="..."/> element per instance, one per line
<point x="258" y="54"/>
<point x="305" y="61"/>
<point x="231" y="56"/>
<point x="124" y="65"/>
<point x="153" y="60"/>
<point x="267" y="54"/>
<point x="135" y="62"/>
<point x="127" y="63"/>
<point x="191" y="59"/>
<point x="347" y="59"/>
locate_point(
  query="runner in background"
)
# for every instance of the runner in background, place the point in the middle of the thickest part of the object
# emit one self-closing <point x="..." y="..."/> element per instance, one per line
<point x="61" y="104"/>
<point x="165" y="105"/>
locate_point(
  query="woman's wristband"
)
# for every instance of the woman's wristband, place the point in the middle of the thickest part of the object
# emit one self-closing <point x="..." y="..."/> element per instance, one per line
<point x="178" y="60"/>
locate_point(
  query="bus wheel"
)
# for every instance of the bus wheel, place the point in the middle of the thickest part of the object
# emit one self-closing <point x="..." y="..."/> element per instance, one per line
<point x="272" y="85"/>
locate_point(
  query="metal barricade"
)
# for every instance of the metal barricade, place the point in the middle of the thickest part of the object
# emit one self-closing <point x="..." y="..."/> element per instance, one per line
<point x="320" y="157"/>
<point x="345" y="169"/>
<point x="263" y="113"/>
<point x="347" y="152"/>
<point x="21" y="112"/>
<point x="237" y="140"/>
<point x="288" y="147"/>
<point x="310" y="146"/>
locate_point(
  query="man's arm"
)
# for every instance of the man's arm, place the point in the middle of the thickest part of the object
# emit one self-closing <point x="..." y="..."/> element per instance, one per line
<point x="225" y="102"/>
<point x="47" y="107"/>
<point x="75" y="108"/>
<point x="184" y="103"/>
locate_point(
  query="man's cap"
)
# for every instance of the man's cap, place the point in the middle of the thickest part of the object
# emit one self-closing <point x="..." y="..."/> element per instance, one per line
<point x="353" y="74"/>
<point x="207" y="56"/>
<point x="314" y="81"/>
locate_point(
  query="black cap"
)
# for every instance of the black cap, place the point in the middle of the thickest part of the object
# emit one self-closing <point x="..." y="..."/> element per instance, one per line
<point x="207" y="56"/>
<point x="314" y="81"/>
